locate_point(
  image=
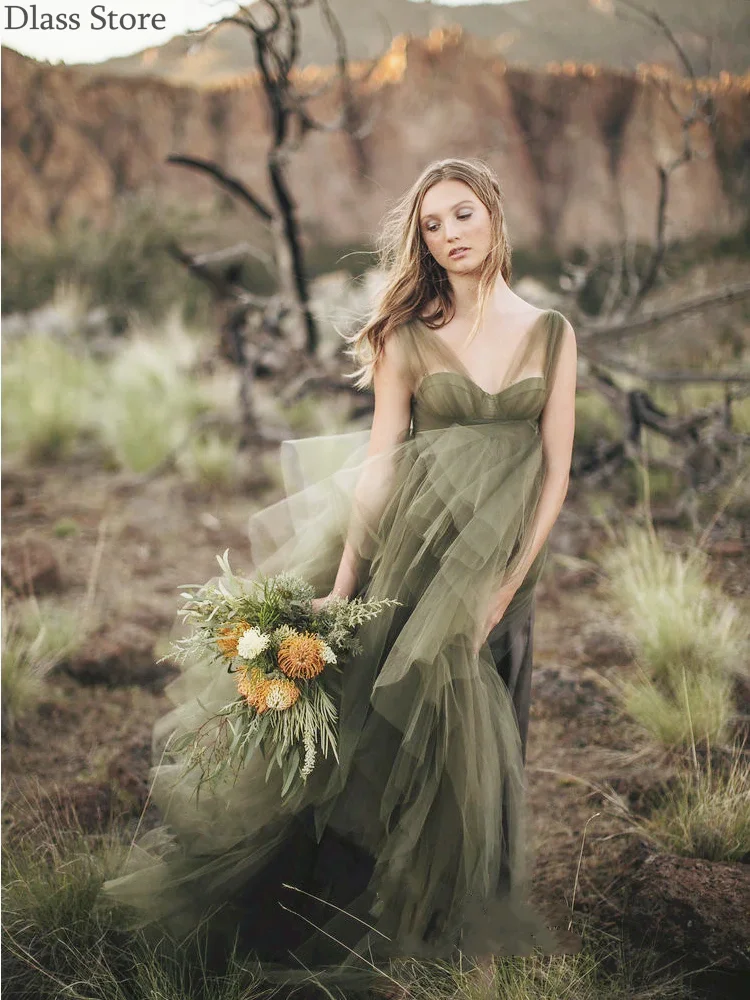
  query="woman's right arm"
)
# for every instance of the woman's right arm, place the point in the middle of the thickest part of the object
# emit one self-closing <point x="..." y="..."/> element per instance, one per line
<point x="390" y="427"/>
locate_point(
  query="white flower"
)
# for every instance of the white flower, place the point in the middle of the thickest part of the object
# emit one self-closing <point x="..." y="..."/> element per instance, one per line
<point x="328" y="654"/>
<point x="251" y="643"/>
<point x="310" y="754"/>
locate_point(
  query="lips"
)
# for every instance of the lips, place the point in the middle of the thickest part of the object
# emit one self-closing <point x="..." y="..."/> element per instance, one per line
<point x="458" y="251"/>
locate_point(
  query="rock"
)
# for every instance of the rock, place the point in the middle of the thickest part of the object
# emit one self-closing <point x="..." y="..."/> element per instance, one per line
<point x="30" y="566"/>
<point x="689" y="906"/>
<point x="75" y="149"/>
<point x="118" y="656"/>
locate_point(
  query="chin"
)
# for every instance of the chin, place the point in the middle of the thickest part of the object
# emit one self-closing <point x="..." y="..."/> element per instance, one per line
<point x="464" y="266"/>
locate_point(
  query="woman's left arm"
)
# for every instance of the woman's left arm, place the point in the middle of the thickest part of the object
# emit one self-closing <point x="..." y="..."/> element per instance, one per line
<point x="557" y="425"/>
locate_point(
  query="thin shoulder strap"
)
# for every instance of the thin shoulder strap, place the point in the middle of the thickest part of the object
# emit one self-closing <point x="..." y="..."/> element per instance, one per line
<point x="423" y="353"/>
<point x="555" y="331"/>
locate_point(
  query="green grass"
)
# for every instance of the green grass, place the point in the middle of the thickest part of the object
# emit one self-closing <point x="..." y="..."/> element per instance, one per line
<point x="61" y="938"/>
<point x="48" y="397"/>
<point x="688" y="639"/>
<point x="706" y="813"/>
<point x="210" y="462"/>
<point x="140" y="406"/>
<point x="36" y="636"/>
<point x="674" y="616"/>
<point x="602" y="969"/>
<point x="703" y="706"/>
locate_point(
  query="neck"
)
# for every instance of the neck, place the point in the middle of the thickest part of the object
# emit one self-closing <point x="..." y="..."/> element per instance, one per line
<point x="465" y="288"/>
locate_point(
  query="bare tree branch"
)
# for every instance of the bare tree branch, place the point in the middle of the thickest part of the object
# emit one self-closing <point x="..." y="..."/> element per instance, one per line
<point x="229" y="183"/>
<point x="683" y="377"/>
<point x="655" y="18"/>
<point x="592" y="332"/>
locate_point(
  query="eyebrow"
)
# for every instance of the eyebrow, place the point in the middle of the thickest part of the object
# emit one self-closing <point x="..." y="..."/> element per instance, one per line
<point x="431" y="215"/>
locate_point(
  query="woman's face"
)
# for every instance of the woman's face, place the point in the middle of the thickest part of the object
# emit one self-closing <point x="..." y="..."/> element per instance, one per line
<point x="455" y="226"/>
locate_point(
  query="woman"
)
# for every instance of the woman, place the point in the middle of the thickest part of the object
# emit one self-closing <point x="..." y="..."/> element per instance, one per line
<point x="413" y="844"/>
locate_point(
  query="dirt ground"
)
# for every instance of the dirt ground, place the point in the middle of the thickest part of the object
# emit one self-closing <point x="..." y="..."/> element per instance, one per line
<point x="88" y="744"/>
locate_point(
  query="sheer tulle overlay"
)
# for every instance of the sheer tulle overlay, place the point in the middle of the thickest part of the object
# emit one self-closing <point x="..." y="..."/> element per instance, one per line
<point x="416" y="843"/>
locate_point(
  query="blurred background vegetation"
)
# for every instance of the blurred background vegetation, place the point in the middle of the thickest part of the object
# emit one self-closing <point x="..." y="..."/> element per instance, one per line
<point x="151" y="366"/>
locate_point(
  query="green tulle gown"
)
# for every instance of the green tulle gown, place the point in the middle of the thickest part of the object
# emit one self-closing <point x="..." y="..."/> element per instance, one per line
<point x="416" y="843"/>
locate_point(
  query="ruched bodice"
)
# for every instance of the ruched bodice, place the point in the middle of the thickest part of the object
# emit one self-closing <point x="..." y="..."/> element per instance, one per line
<point x="444" y="397"/>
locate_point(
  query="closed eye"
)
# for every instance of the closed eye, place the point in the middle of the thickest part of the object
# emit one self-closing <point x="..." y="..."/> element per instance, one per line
<point x="432" y="227"/>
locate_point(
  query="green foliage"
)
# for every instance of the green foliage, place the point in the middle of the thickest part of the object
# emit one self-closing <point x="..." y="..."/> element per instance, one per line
<point x="543" y="263"/>
<point x="35" y="638"/>
<point x="62" y="938"/>
<point x="48" y="395"/>
<point x="323" y="258"/>
<point x="125" y="265"/>
<point x="210" y="461"/>
<point x="649" y="483"/>
<point x="148" y="403"/>
<point x="591" y="297"/>
<point x="706" y="813"/>
<point x="674" y="615"/>
<point x="65" y="527"/>
<point x="689" y="639"/>
<point x="700" y="706"/>
<point x="604" y="968"/>
<point x="140" y="405"/>
<point x="596" y="421"/>
<point x="268" y="613"/>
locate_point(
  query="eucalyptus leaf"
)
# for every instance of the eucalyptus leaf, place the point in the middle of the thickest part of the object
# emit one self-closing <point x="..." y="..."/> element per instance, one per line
<point x="271" y="762"/>
<point x="293" y="770"/>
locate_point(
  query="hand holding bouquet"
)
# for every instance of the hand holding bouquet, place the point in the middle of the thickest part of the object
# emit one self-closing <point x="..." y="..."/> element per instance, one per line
<point x="281" y="644"/>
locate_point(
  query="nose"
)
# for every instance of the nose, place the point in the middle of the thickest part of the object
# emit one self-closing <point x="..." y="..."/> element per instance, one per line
<point x="451" y="230"/>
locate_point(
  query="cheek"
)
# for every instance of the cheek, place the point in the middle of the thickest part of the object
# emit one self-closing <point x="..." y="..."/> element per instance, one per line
<point x="432" y="242"/>
<point x="482" y="228"/>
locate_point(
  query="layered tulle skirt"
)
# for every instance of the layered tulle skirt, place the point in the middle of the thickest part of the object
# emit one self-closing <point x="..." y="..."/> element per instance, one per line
<point x="416" y="843"/>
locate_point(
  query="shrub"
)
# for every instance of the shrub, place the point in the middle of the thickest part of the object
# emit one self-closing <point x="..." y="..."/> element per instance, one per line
<point x="35" y="638"/>
<point x="687" y="636"/>
<point x="48" y="391"/>
<point x="706" y="812"/>
<point x="125" y="265"/>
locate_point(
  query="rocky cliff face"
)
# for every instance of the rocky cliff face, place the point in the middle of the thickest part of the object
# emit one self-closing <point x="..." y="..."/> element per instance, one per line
<point x="715" y="36"/>
<point x="576" y="148"/>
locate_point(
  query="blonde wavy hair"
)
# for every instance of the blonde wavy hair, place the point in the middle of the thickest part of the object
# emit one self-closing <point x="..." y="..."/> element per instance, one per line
<point x="414" y="278"/>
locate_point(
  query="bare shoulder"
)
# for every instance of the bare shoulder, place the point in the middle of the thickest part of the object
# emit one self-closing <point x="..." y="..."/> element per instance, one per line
<point x="391" y="370"/>
<point x="523" y="314"/>
<point x="533" y="313"/>
<point x="568" y="333"/>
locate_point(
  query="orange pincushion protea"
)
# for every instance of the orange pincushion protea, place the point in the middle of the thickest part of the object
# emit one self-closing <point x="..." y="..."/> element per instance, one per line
<point x="229" y="636"/>
<point x="254" y="686"/>
<point x="281" y="694"/>
<point x="301" y="655"/>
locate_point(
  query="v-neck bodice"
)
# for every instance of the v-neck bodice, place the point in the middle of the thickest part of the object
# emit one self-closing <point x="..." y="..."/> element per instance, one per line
<point x="451" y="396"/>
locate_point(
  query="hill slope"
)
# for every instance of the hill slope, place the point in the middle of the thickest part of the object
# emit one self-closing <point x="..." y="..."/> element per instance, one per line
<point x="716" y="36"/>
<point x="577" y="149"/>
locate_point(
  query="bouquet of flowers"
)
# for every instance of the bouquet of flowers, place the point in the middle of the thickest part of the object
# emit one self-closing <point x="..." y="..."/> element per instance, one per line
<point x="282" y="655"/>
